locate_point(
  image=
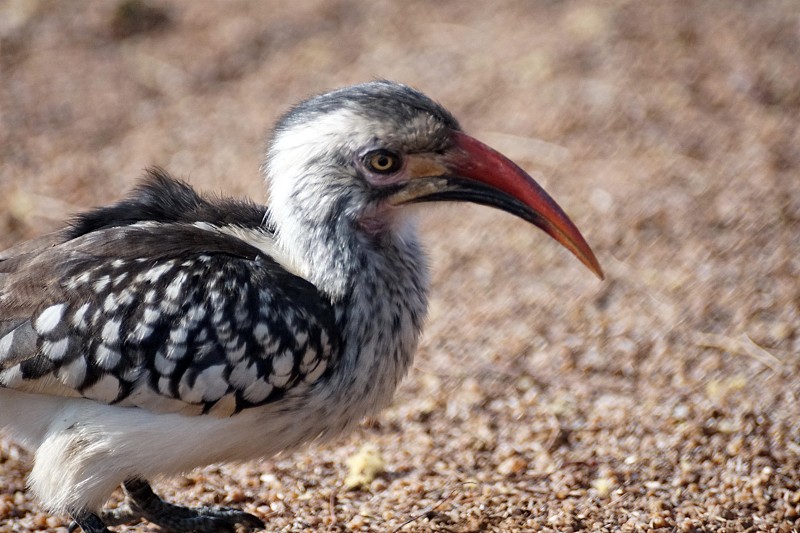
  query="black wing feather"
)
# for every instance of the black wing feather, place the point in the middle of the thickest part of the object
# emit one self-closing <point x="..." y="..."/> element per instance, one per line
<point x="161" y="198"/>
<point x="166" y="316"/>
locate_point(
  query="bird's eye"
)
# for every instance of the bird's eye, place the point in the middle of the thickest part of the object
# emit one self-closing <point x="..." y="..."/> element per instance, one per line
<point x="382" y="161"/>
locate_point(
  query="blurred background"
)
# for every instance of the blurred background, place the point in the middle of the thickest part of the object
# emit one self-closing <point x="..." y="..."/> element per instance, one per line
<point x="664" y="398"/>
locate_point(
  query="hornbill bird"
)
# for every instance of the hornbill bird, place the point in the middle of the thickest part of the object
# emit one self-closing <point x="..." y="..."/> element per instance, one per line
<point x="172" y="330"/>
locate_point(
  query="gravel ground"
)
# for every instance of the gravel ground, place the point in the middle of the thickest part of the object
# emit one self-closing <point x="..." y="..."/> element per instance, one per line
<point x="662" y="399"/>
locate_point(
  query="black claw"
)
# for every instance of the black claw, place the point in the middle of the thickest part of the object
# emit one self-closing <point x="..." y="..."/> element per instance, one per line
<point x="88" y="522"/>
<point x="231" y="516"/>
<point x="208" y="520"/>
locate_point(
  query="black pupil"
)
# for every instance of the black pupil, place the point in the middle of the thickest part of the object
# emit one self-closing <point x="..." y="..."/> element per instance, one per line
<point x="383" y="162"/>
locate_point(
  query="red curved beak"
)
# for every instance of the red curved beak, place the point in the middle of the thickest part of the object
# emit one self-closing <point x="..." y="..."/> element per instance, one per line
<point x="473" y="172"/>
<point x="474" y="160"/>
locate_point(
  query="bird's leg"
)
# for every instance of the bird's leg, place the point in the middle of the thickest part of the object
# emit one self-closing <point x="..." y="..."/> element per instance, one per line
<point x="88" y="522"/>
<point x="179" y="519"/>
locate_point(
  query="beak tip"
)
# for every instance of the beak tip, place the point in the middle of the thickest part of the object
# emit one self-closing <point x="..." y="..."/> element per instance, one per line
<point x="593" y="264"/>
<point x="596" y="268"/>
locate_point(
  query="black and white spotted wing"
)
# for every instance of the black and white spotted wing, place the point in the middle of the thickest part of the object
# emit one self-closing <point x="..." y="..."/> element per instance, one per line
<point x="161" y="315"/>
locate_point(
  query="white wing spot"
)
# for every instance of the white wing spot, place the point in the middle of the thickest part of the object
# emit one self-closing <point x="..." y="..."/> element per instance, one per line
<point x="261" y="332"/>
<point x="141" y="332"/>
<point x="169" y="307"/>
<point x="201" y="336"/>
<point x="282" y="364"/>
<point x="79" y="318"/>
<point x="196" y="313"/>
<point x="241" y="314"/>
<point x="235" y="351"/>
<point x="82" y="279"/>
<point x="126" y="297"/>
<point x="11" y="378"/>
<point x="211" y="383"/>
<point x="219" y="315"/>
<point x="176" y="351"/>
<point x="173" y="291"/>
<point x="164" y="366"/>
<point x="56" y="350"/>
<point x="224" y="332"/>
<point x="272" y="347"/>
<point x="5" y="344"/>
<point x="155" y="273"/>
<point x="49" y="319"/>
<point x="164" y="386"/>
<point x="243" y="375"/>
<point x="208" y="385"/>
<point x="106" y="357"/>
<point x="179" y="334"/>
<point x="257" y="391"/>
<point x="106" y="389"/>
<point x="110" y="302"/>
<point x="282" y="369"/>
<point x="301" y="338"/>
<point x="135" y="373"/>
<point x="102" y="283"/>
<point x="110" y="333"/>
<point x="151" y="315"/>
<point x="73" y="374"/>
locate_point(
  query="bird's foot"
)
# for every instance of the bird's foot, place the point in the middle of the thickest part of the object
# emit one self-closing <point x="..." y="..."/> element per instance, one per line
<point x="146" y="504"/>
<point x="121" y="515"/>
<point x="88" y="522"/>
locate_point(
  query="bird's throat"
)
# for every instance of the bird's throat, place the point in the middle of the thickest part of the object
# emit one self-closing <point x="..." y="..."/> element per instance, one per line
<point x="381" y="320"/>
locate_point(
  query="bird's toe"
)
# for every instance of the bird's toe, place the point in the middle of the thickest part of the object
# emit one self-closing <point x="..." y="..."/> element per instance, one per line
<point x="121" y="515"/>
<point x="88" y="522"/>
<point x="214" y="519"/>
<point x="179" y="519"/>
<point x="208" y="520"/>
